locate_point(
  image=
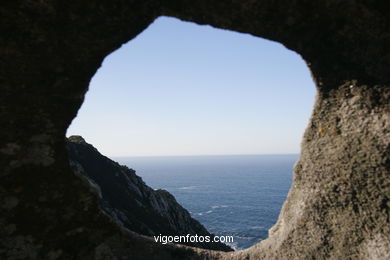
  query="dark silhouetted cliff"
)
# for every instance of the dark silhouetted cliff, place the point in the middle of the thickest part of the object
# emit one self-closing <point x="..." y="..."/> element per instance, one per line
<point x="128" y="200"/>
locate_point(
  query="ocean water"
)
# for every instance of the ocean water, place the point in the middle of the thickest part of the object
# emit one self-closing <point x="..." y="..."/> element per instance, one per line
<point x="235" y="195"/>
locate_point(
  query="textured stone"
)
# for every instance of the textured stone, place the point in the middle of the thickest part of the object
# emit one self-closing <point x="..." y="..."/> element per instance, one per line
<point x="338" y="206"/>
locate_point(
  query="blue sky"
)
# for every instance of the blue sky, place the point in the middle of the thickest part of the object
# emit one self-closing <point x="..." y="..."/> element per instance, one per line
<point x="183" y="89"/>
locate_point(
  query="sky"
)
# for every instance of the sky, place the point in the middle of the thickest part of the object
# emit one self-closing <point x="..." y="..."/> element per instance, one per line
<point x="180" y="88"/>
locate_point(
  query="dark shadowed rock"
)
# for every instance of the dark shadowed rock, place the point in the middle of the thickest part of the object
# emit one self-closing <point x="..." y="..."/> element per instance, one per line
<point x="130" y="202"/>
<point x="338" y="206"/>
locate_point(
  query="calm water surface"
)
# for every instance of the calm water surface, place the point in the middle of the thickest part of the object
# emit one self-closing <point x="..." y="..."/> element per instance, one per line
<point x="238" y="195"/>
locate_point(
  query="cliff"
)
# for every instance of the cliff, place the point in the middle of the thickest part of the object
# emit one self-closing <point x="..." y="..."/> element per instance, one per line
<point x="129" y="201"/>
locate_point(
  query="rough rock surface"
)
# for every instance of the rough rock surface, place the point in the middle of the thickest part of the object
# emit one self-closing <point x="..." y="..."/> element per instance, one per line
<point x="338" y="206"/>
<point x="130" y="202"/>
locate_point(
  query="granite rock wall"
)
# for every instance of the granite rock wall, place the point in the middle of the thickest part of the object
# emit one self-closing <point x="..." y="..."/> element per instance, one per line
<point x="338" y="206"/>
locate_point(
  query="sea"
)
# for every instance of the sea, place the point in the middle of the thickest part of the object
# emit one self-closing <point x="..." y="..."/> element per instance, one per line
<point x="231" y="195"/>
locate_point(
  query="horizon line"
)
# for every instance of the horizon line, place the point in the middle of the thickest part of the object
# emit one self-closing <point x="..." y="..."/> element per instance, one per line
<point x="199" y="155"/>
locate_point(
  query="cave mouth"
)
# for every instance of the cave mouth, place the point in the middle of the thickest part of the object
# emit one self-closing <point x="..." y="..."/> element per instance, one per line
<point x="194" y="85"/>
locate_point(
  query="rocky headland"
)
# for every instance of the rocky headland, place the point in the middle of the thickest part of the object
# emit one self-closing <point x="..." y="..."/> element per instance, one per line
<point x="129" y="201"/>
